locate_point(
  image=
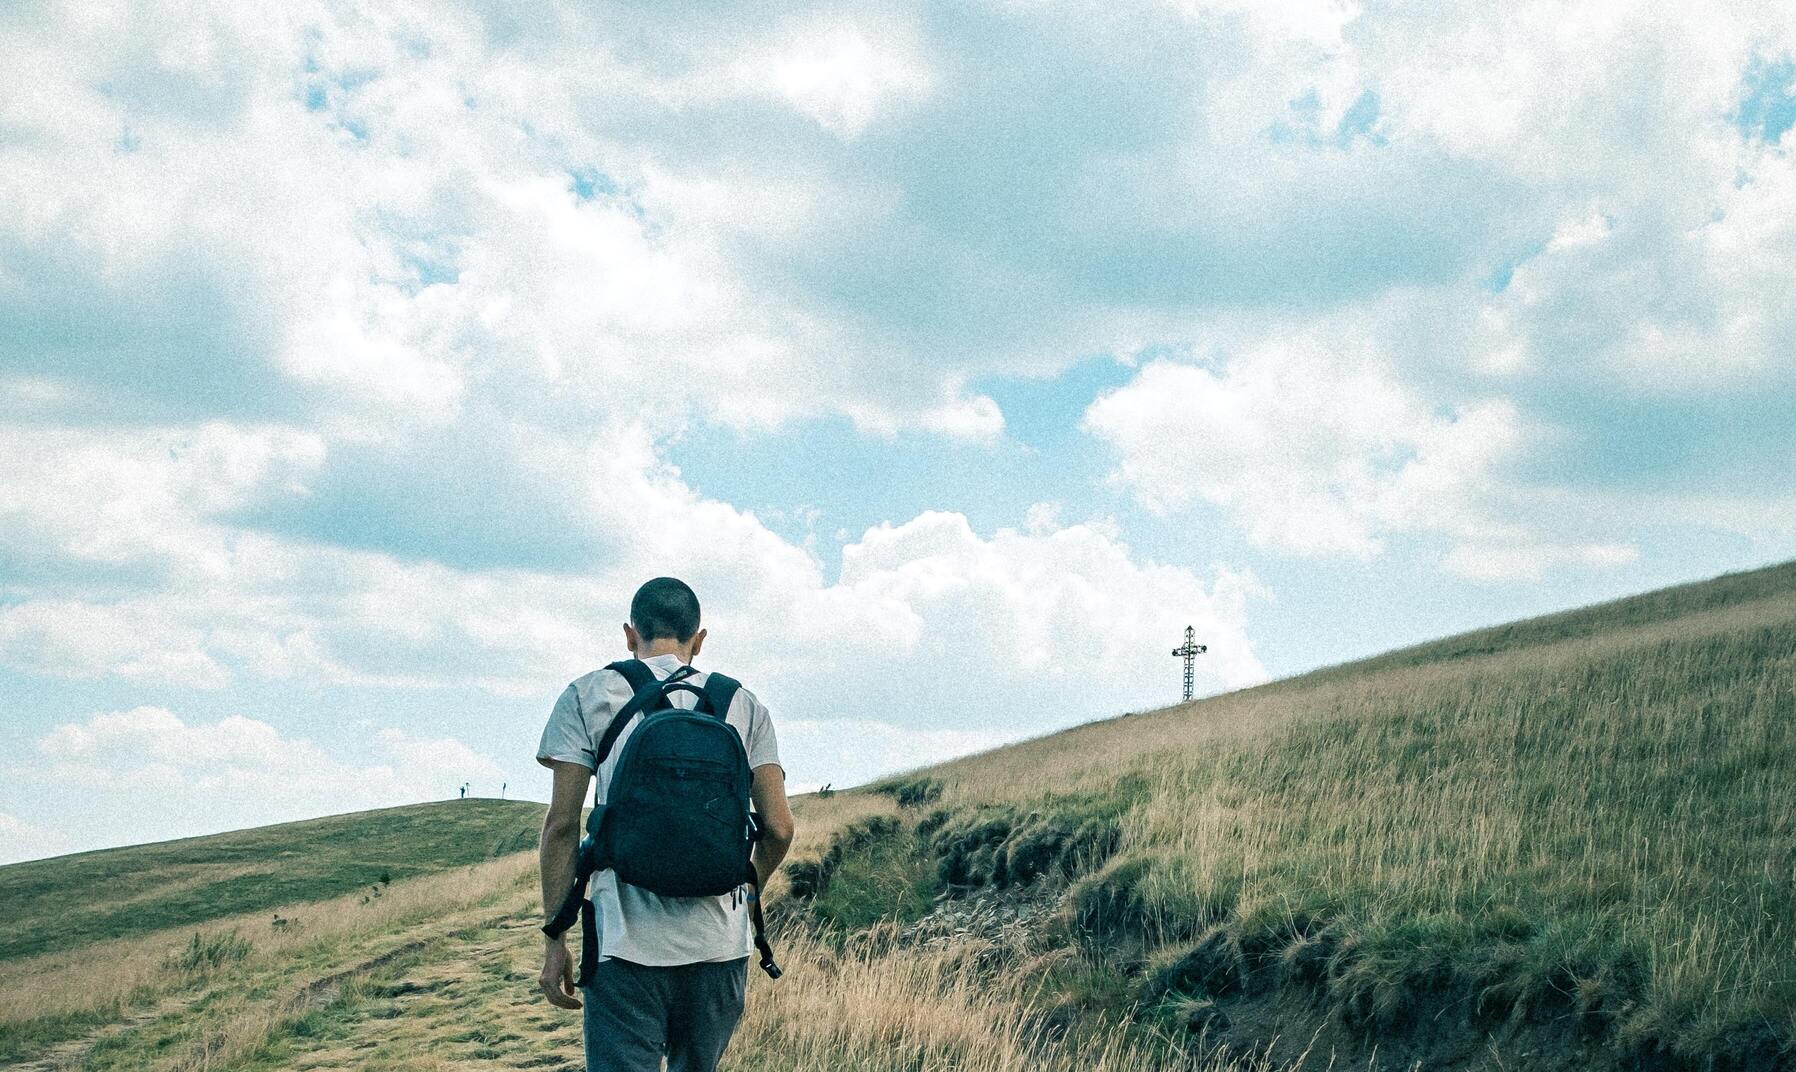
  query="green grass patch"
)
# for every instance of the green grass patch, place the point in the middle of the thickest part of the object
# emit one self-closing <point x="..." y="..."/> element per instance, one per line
<point x="1060" y="835"/>
<point x="24" y="1038"/>
<point x="912" y="792"/>
<point x="877" y="869"/>
<point x="180" y="883"/>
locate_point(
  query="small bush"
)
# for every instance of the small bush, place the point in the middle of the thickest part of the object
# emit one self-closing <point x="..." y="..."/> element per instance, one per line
<point x="1063" y="837"/>
<point x="808" y="878"/>
<point x="1109" y="904"/>
<point x="966" y="846"/>
<point x="1304" y="959"/>
<point x="935" y="820"/>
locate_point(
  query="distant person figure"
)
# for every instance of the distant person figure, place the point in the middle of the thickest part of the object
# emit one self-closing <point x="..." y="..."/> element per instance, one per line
<point x="502" y="786"/>
<point x="663" y="976"/>
<point x="464" y="790"/>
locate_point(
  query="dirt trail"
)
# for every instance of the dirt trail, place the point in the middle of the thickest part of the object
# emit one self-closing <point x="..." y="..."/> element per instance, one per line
<point x="473" y="1005"/>
<point x="450" y="976"/>
<point x="72" y="1053"/>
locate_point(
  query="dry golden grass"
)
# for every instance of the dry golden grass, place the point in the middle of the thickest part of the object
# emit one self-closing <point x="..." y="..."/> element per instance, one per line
<point x="111" y="972"/>
<point x="1632" y="788"/>
<point x="876" y="1009"/>
<point x="139" y="981"/>
<point x="439" y="976"/>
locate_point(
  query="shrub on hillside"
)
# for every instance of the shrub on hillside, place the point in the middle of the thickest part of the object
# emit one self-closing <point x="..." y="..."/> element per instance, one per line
<point x="1150" y="900"/>
<point x="914" y="793"/>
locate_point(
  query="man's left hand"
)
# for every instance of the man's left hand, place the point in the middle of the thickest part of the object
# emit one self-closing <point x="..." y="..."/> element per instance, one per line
<point x="557" y="979"/>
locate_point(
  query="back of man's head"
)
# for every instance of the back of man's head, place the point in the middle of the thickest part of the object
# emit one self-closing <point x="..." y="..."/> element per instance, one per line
<point x="665" y="609"/>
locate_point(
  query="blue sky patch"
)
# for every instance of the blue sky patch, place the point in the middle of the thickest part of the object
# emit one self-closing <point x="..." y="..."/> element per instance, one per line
<point x="1767" y="99"/>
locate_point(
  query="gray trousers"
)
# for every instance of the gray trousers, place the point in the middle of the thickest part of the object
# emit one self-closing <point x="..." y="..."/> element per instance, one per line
<point x="636" y="1013"/>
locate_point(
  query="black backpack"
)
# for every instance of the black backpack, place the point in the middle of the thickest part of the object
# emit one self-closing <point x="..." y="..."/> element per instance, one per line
<point x="676" y="820"/>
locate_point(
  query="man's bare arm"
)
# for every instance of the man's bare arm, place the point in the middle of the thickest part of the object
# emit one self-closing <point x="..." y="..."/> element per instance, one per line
<point x="776" y="819"/>
<point x="557" y="855"/>
<point x="561" y="834"/>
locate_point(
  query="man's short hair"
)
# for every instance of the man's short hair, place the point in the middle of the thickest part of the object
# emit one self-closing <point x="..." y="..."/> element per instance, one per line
<point x="665" y="608"/>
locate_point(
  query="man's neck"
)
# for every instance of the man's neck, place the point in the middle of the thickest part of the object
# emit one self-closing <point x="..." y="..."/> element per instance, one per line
<point x="649" y="651"/>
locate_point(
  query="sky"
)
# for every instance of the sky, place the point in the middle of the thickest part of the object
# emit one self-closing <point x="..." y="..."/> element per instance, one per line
<point x="358" y="361"/>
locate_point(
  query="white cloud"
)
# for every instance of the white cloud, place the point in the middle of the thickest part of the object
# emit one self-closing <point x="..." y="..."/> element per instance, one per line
<point x="1316" y="449"/>
<point x="218" y="601"/>
<point x="138" y="641"/>
<point x="405" y="218"/>
<point x="1293" y="439"/>
<point x="20" y="840"/>
<point x="843" y="80"/>
<point x="239" y="771"/>
<point x="856" y="751"/>
<point x="1666" y="300"/>
<point x="350" y="214"/>
<point x="1023" y="629"/>
<point x="974" y="418"/>
<point x="1532" y="562"/>
<point x="1313" y="450"/>
<point x="126" y="497"/>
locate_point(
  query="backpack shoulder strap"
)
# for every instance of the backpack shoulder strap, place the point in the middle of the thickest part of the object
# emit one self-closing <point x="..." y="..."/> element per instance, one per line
<point x="635" y="671"/>
<point x="644" y="689"/>
<point x="719" y="692"/>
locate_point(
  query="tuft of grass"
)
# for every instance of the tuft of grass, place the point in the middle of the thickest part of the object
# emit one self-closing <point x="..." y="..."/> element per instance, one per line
<point x="209" y="952"/>
<point x="914" y="792"/>
<point x="933" y="1009"/>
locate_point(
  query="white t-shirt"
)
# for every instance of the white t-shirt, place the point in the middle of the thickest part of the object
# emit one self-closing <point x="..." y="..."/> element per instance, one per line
<point x="634" y="924"/>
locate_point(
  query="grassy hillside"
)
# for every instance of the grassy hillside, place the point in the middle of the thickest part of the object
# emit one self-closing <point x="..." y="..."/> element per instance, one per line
<point x="143" y="888"/>
<point x="241" y="992"/>
<point x="1577" y="832"/>
<point x="1563" y="844"/>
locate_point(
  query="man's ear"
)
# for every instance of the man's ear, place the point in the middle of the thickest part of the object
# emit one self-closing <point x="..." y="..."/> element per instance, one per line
<point x="631" y="640"/>
<point x="698" y="641"/>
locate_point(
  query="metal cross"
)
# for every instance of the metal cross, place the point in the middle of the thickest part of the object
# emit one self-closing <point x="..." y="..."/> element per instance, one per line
<point x="1190" y="651"/>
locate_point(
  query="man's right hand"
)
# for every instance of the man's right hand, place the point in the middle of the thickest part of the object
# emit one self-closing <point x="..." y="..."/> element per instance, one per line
<point x="557" y="979"/>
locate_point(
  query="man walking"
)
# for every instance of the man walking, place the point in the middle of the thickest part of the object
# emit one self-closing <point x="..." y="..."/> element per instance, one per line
<point x="672" y="971"/>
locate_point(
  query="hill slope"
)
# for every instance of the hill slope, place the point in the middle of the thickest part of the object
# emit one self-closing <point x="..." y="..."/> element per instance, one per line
<point x="1568" y="836"/>
<point x="1561" y="844"/>
<point x="144" y="888"/>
